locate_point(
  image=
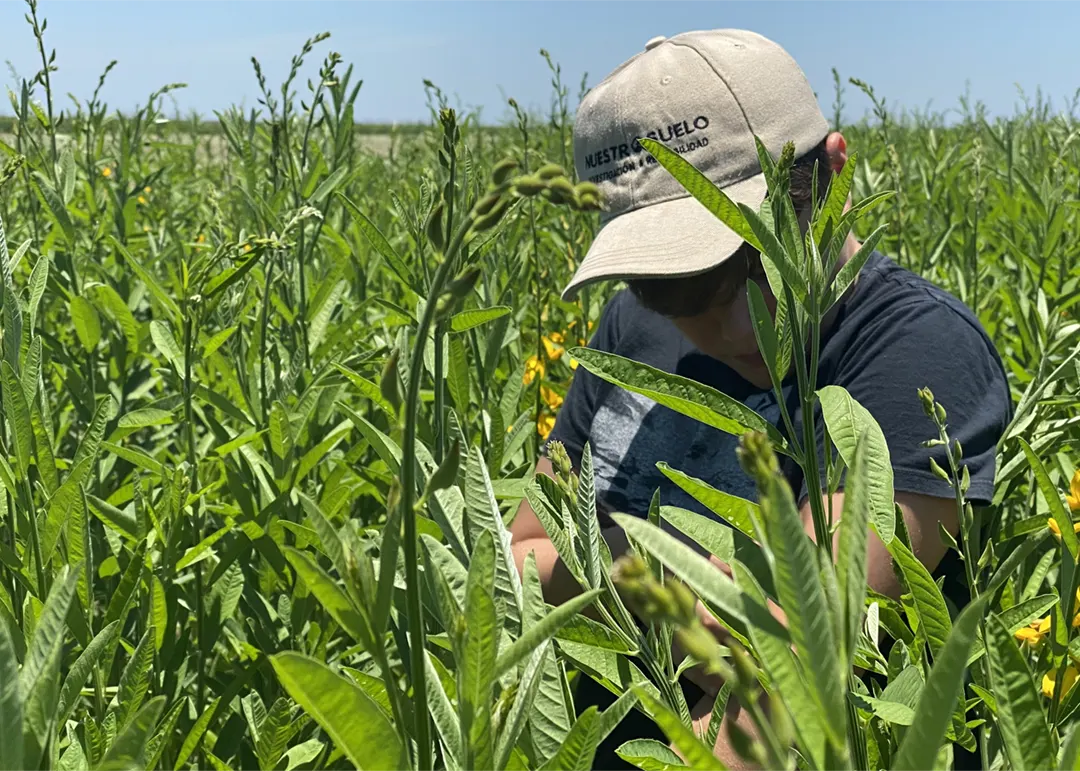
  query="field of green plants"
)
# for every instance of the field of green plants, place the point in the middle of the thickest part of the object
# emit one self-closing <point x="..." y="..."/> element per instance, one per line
<point x="268" y="408"/>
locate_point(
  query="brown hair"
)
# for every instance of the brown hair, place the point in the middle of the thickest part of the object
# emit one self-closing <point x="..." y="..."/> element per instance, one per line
<point x="692" y="295"/>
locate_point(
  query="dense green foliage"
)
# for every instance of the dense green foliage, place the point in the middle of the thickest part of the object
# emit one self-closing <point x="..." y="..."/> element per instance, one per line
<point x="270" y="399"/>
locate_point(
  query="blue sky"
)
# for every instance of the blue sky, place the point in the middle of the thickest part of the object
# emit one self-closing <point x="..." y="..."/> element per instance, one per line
<point x="914" y="53"/>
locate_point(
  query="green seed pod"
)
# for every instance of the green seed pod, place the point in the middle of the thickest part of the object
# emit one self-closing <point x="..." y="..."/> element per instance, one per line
<point x="502" y="171"/>
<point x="493" y="217"/>
<point x="941" y="414"/>
<point x="435" y="227"/>
<point x="464" y="282"/>
<point x="958" y="451"/>
<point x="587" y="188"/>
<point x="529" y="186"/>
<point x="550" y="171"/>
<point x="744" y="668"/>
<point x="684" y="601"/>
<point x="486" y="204"/>
<point x="390" y="381"/>
<point x="446" y="474"/>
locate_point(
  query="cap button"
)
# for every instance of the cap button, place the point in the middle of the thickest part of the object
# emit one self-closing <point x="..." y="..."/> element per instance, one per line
<point x="655" y="42"/>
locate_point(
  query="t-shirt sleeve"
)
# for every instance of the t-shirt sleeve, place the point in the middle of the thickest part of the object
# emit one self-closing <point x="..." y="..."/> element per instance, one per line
<point x="929" y="344"/>
<point x="573" y="423"/>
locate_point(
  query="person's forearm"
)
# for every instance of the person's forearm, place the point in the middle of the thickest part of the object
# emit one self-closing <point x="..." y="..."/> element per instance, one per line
<point x="558" y="582"/>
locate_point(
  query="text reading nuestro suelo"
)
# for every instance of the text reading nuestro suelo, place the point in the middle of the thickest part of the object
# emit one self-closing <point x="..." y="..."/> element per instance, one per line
<point x="627" y="155"/>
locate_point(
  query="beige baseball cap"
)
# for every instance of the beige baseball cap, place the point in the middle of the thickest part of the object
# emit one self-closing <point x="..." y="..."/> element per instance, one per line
<point x="704" y="94"/>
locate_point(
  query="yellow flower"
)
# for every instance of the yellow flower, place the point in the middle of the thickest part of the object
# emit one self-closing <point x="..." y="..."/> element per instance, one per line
<point x="1053" y="525"/>
<point x="553" y="345"/>
<point x="1032" y="635"/>
<point x="201" y="239"/>
<point x="147" y="189"/>
<point x="552" y="399"/>
<point x="142" y="200"/>
<point x="106" y="172"/>
<point x="544" y="425"/>
<point x="146" y="228"/>
<point x="1073" y="498"/>
<point x="1050" y="679"/>
<point x="533" y="368"/>
<point x="573" y="364"/>
<point x="247" y="247"/>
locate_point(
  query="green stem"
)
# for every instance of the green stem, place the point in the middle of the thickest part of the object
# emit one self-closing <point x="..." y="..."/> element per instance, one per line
<point x="408" y="514"/>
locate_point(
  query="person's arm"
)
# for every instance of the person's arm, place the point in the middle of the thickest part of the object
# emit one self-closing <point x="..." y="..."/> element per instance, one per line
<point x="527" y="536"/>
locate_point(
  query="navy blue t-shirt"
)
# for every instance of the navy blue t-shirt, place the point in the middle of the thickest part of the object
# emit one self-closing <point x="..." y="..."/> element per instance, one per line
<point x="893" y="334"/>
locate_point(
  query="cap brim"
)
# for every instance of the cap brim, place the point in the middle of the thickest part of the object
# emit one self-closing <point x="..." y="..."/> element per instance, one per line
<point x="665" y="240"/>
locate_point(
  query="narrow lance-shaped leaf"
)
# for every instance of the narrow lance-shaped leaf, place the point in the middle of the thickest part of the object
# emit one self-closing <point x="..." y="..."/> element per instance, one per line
<point x="921" y="741"/>
<point x="681" y="394"/>
<point x="18" y="415"/>
<point x="11" y="708"/>
<point x="847" y="420"/>
<point x="851" y="560"/>
<point x="477" y="669"/>
<point x="542" y="630"/>
<point x="802" y="598"/>
<point x="1024" y="730"/>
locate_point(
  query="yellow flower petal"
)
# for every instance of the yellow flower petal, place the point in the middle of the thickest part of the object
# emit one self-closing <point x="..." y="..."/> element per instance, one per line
<point x="551" y="399"/>
<point x="544" y="425"/>
<point x="1044" y="625"/>
<point x="554" y="351"/>
<point x="1053" y="525"/>
<point x="1067" y="682"/>
<point x="1073" y="498"/>
<point x="106" y="172"/>
<point x="1028" y="635"/>
<point x="533" y="368"/>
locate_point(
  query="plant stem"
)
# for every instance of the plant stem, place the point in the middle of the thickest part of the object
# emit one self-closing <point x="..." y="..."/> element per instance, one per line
<point x="408" y="514"/>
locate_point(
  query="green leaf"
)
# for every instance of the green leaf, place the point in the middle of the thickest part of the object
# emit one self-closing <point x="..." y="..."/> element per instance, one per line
<point x="585" y="520"/>
<point x="55" y="205"/>
<point x="457" y="377"/>
<point x="846" y="420"/>
<point x="135" y="679"/>
<point x="933" y="714"/>
<point x="784" y="670"/>
<point x="802" y="598"/>
<point x="104" y="641"/>
<point x="839" y="190"/>
<point x="851" y="560"/>
<point x="717" y="539"/>
<point x="368" y="390"/>
<point x="579" y="748"/>
<point x="167" y="345"/>
<point x="1053" y="500"/>
<point x="541" y="631"/>
<point x="930" y="607"/>
<point x="333" y="599"/>
<point x="112" y="305"/>
<point x="775" y="253"/>
<point x="466" y="320"/>
<point x="67" y="174"/>
<point x="195" y="735"/>
<point x="681" y="394"/>
<point x="39" y="279"/>
<point x="355" y="722"/>
<point x="281" y="438"/>
<point x="387" y="449"/>
<point x="50" y="630"/>
<point x="1024" y="729"/>
<point x="764" y="327"/>
<point x="1069" y="756"/>
<point x="650" y="755"/>
<point x="890" y="711"/>
<point x="18" y="415"/>
<point x="159" y="294"/>
<point x="516" y="718"/>
<point x="479" y="654"/>
<point x="697" y="754"/>
<point x="129" y="749"/>
<point x="11" y="707"/>
<point x="379" y="242"/>
<point x="87" y="324"/>
<point x="849" y="271"/>
<point x="705" y="578"/>
<point x="702" y="189"/>
<point x="442" y="712"/>
<point x="738" y="512"/>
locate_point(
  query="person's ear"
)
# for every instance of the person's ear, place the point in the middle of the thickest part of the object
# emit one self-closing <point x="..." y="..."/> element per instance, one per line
<point x="836" y="151"/>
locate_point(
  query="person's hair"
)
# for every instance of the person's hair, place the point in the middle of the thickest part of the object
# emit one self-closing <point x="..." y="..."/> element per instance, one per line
<point x="692" y="295"/>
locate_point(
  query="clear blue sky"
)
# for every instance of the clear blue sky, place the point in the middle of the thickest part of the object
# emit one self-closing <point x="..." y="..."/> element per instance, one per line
<point x="914" y="54"/>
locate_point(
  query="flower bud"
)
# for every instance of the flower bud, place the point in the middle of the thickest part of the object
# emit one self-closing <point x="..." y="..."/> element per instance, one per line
<point x="941" y="414"/>
<point x="926" y="397"/>
<point x="939" y="471"/>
